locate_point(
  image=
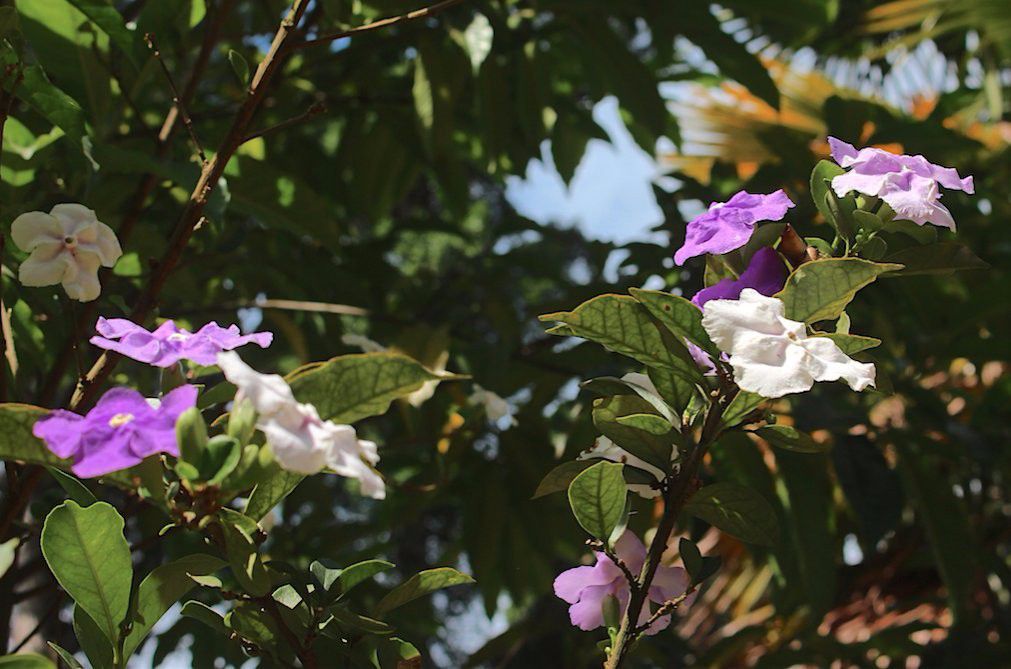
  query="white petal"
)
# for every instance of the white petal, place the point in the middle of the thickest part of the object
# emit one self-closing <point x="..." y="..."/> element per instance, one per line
<point x="106" y="244"/>
<point x="269" y="393"/>
<point x="773" y="380"/>
<point x="294" y="447"/>
<point x="606" y="449"/>
<point x="81" y="279"/>
<point x="353" y="458"/>
<point x="74" y="217"/>
<point x="46" y="266"/>
<point x="34" y="228"/>
<point x="827" y="362"/>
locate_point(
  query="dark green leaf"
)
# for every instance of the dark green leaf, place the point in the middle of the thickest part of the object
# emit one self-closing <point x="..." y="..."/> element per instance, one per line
<point x="419" y="585"/>
<point x="790" y="438"/>
<point x="559" y="478"/>
<point x="940" y="258"/>
<point x="737" y="510"/>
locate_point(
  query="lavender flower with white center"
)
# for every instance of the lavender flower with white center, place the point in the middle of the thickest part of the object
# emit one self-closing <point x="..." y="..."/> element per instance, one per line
<point x="728" y="225"/>
<point x="169" y="344"/>
<point x="909" y="184"/>
<point x="122" y="430"/>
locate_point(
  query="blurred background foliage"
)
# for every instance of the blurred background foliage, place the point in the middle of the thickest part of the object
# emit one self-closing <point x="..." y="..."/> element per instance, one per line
<point x="386" y="217"/>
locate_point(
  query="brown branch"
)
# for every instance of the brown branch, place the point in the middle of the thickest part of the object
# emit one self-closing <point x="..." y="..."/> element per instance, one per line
<point x="304" y="654"/>
<point x="381" y="23"/>
<point x="315" y="109"/>
<point x="193" y="213"/>
<point x="176" y="98"/>
<point x="144" y="189"/>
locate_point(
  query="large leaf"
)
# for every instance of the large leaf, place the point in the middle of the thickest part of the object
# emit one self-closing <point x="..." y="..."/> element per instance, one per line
<point x="242" y="549"/>
<point x="267" y="494"/>
<point x="940" y="258"/>
<point x="87" y="552"/>
<point x="162" y="588"/>
<point x="820" y="290"/>
<point x="352" y="387"/>
<point x="597" y="497"/>
<point x="621" y="324"/>
<point x="737" y="510"/>
<point x="419" y="585"/>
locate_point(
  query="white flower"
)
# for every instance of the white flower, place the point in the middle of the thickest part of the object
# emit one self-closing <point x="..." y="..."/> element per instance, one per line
<point x="606" y="449"/>
<point x="303" y="442"/>
<point x="495" y="407"/>
<point x="772" y="355"/>
<point x="67" y="246"/>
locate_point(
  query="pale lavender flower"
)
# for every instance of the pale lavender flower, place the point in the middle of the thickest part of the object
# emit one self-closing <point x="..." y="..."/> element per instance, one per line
<point x="909" y="184"/>
<point x="586" y="588"/>
<point x="122" y="430"/>
<point x="728" y="225"/>
<point x="169" y="344"/>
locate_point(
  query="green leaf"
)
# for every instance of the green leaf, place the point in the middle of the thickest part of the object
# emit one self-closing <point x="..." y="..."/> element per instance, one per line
<point x="220" y="458"/>
<point x="821" y="178"/>
<point x="419" y="585"/>
<point x="925" y="234"/>
<point x="242" y="551"/>
<point x="850" y="344"/>
<point x="645" y="422"/>
<point x="162" y="588"/>
<point x="620" y="324"/>
<point x="605" y="386"/>
<point x="352" y="387"/>
<point x="559" y="478"/>
<point x="396" y="653"/>
<point x="360" y="571"/>
<point x="790" y="438"/>
<point x="65" y="656"/>
<point x="349" y="619"/>
<point x="239" y="66"/>
<point x="656" y="450"/>
<point x="269" y="493"/>
<point x="87" y="552"/>
<point x="597" y="497"/>
<point x="678" y="315"/>
<point x="205" y="614"/>
<point x="821" y="289"/>
<point x="742" y="405"/>
<point x="26" y="661"/>
<point x="17" y="441"/>
<point x="191" y="435"/>
<point x="74" y="488"/>
<point x="940" y="258"/>
<point x="737" y="510"/>
<point x="8" y="551"/>
<point x="691" y="556"/>
<point x="104" y="15"/>
<point x="96" y="647"/>
<point x="53" y="104"/>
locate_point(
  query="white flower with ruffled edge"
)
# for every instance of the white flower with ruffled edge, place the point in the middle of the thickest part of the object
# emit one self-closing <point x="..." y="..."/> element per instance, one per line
<point x="773" y="355"/>
<point x="302" y="442"/>
<point x="66" y="246"/>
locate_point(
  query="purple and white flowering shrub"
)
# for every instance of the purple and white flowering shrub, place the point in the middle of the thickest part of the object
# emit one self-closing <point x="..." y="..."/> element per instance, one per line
<point x="770" y="323"/>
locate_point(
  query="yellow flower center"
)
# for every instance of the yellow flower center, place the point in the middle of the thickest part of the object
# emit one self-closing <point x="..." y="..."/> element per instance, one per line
<point x="120" y="419"/>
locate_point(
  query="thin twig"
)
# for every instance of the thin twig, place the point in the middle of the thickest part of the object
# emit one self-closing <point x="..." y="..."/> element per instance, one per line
<point x="177" y="99"/>
<point x="381" y="23"/>
<point x="315" y="109"/>
<point x="666" y="608"/>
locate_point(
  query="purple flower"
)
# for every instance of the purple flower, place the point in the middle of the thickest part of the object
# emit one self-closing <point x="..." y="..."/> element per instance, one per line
<point x="728" y="226"/>
<point x="169" y="344"/>
<point x="765" y="273"/>
<point x="586" y="588"/>
<point x="909" y="184"/>
<point x="122" y="429"/>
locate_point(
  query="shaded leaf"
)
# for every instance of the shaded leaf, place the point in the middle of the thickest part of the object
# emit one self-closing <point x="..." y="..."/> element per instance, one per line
<point x="737" y="510"/>
<point x="597" y="497"/>
<point x="419" y="585"/>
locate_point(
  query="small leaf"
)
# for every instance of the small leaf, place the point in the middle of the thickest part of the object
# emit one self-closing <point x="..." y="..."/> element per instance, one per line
<point x="742" y="405"/>
<point x="74" y="488"/>
<point x="597" y="497"/>
<point x="691" y="557"/>
<point x="191" y="435"/>
<point x="737" y="510"/>
<point x="820" y="290"/>
<point x="243" y="556"/>
<point x="205" y="614"/>
<point x="790" y="438"/>
<point x="656" y="450"/>
<point x="821" y="178"/>
<point x="419" y="585"/>
<point x="349" y="619"/>
<point x="360" y="571"/>
<point x="87" y="552"/>
<point x="239" y="66"/>
<point x="65" y="656"/>
<point x="559" y="478"/>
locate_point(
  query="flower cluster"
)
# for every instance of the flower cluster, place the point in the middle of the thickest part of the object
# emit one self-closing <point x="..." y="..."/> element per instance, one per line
<point x="908" y="184"/>
<point x="585" y="588"/>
